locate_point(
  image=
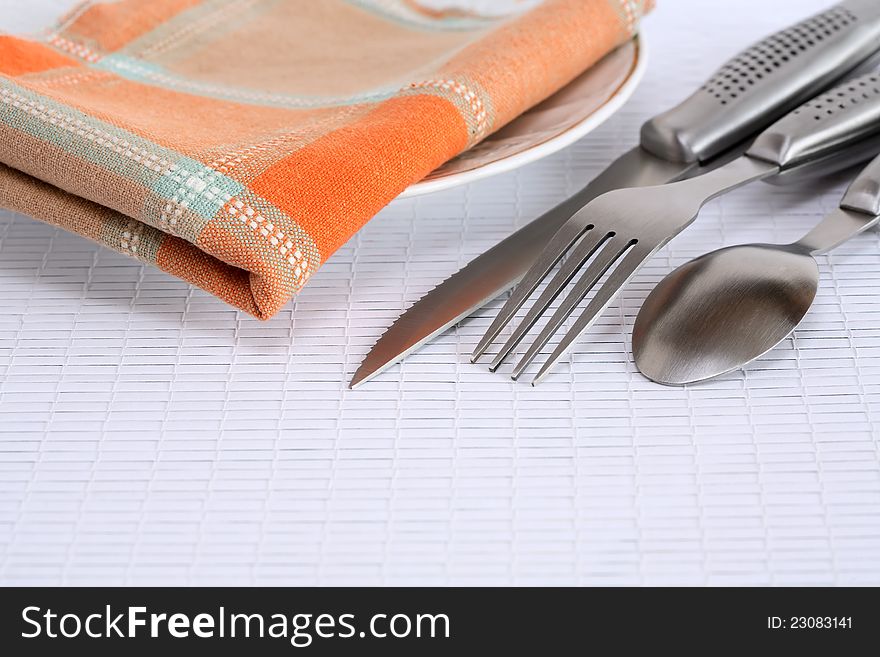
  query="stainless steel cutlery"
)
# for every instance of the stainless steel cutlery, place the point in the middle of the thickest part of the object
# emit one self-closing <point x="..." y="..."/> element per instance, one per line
<point x="620" y="230"/>
<point x="729" y="307"/>
<point x="707" y="130"/>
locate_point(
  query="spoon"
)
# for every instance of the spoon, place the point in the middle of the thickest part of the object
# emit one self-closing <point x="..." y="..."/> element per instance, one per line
<point x="724" y="309"/>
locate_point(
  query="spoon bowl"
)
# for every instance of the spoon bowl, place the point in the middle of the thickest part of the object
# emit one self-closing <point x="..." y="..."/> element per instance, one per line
<point x="722" y="310"/>
<point x="729" y="307"/>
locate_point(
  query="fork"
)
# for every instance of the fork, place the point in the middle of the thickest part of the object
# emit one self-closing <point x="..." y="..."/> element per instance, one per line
<point x="618" y="232"/>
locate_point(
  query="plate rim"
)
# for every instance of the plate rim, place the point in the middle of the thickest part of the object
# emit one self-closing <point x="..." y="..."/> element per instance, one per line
<point x="550" y="146"/>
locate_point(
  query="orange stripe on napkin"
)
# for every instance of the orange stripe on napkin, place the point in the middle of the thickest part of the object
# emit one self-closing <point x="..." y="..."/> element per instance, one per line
<point x="20" y="57"/>
<point x="362" y="166"/>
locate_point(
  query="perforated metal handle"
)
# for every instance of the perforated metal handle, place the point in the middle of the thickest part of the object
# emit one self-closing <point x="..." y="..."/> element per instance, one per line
<point x="766" y="81"/>
<point x="864" y="194"/>
<point x="827" y="125"/>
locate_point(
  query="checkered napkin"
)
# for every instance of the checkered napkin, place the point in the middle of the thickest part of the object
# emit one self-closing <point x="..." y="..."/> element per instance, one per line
<point x="238" y="143"/>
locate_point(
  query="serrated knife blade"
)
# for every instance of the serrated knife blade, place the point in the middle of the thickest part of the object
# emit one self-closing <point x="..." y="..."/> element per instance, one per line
<point x="501" y="267"/>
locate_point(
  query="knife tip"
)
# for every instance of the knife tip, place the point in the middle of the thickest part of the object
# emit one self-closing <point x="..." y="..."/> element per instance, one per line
<point x="359" y="378"/>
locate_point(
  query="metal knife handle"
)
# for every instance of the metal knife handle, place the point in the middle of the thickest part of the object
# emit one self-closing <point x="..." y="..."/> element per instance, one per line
<point x="825" y="126"/>
<point x="764" y="82"/>
<point x="864" y="194"/>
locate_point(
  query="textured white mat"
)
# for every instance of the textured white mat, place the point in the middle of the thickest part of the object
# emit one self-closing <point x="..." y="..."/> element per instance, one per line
<point x="151" y="435"/>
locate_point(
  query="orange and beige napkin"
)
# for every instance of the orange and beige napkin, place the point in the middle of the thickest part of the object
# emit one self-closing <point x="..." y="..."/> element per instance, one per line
<point x="237" y="144"/>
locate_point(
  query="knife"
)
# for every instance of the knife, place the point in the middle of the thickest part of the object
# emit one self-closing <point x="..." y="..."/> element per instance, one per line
<point x="710" y="128"/>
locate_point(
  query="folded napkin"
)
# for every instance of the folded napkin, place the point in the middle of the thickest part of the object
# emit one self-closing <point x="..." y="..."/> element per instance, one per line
<point x="238" y="143"/>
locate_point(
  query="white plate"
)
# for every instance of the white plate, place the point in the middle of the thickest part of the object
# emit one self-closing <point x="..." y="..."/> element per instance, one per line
<point x="569" y="114"/>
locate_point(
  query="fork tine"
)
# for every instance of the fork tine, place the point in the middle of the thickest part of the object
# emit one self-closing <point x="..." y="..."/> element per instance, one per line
<point x="622" y="274"/>
<point x="558" y="245"/>
<point x="588" y="246"/>
<point x="595" y="270"/>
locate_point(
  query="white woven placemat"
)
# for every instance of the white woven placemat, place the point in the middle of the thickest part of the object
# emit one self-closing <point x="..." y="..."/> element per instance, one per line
<point x="151" y="435"/>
